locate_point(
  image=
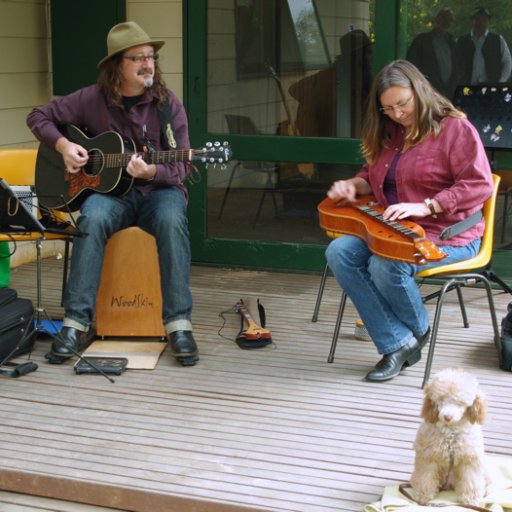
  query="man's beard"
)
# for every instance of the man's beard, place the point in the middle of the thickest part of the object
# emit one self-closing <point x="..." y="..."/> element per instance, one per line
<point x="148" y="79"/>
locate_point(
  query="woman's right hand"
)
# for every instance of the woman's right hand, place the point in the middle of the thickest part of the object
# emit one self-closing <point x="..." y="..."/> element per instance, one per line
<point x="343" y="191"/>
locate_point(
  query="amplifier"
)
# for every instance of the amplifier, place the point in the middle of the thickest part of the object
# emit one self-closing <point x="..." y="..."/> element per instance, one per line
<point x="27" y="195"/>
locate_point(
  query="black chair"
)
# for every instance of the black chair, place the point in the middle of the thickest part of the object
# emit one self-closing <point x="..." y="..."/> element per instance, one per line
<point x="244" y="125"/>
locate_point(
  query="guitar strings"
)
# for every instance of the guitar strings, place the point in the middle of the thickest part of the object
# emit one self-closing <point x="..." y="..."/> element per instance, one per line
<point x="391" y="223"/>
<point x="215" y="155"/>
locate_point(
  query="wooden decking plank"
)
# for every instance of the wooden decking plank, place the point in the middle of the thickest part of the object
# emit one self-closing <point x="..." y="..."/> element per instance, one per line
<point x="13" y="502"/>
<point x="265" y="497"/>
<point x="280" y="471"/>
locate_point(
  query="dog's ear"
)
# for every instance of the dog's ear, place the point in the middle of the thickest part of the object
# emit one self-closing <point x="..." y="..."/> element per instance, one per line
<point x="429" y="411"/>
<point x="478" y="409"/>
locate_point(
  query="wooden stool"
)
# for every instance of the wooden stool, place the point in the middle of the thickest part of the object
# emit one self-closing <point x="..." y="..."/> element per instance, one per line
<point x="129" y="301"/>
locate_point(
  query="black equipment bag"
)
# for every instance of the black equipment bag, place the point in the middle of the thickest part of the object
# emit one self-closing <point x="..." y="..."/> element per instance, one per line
<point x="17" y="335"/>
<point x="506" y="339"/>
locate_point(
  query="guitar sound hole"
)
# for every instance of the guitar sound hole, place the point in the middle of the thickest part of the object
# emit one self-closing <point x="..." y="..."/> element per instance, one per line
<point x="95" y="164"/>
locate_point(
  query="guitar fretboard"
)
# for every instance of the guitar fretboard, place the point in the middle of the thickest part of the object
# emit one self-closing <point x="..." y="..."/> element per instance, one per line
<point x="368" y="210"/>
<point x="112" y="160"/>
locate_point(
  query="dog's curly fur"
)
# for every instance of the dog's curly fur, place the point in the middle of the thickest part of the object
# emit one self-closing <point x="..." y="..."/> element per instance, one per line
<point x="449" y="443"/>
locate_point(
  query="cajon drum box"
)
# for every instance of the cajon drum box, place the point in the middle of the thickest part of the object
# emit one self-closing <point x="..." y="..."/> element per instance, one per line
<point x="129" y="301"/>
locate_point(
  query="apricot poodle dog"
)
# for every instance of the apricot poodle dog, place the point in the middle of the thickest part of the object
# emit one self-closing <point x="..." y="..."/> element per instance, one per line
<point x="449" y="443"/>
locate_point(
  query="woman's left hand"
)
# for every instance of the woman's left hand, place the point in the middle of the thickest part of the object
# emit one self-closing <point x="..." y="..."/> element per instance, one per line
<point x="404" y="210"/>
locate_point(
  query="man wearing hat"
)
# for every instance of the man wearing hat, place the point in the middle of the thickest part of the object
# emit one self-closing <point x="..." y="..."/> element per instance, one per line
<point x="128" y="98"/>
<point x="484" y="56"/>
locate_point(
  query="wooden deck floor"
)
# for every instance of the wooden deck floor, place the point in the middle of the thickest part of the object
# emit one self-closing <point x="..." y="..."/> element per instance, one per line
<point x="273" y="429"/>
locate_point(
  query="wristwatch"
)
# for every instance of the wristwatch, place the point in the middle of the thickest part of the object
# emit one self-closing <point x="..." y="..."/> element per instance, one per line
<point x="430" y="205"/>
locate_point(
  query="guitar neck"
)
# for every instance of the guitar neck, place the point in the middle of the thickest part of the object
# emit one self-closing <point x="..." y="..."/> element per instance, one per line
<point x="253" y="331"/>
<point x="113" y="160"/>
<point x="245" y="313"/>
<point x="287" y="110"/>
<point x="164" y="157"/>
<point x="391" y="224"/>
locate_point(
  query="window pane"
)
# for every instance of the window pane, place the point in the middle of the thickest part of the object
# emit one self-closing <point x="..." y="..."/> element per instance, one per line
<point x="284" y="68"/>
<point x="294" y="67"/>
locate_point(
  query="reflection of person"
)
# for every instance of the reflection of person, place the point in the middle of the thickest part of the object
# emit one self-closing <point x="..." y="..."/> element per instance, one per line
<point x="433" y="53"/>
<point x="426" y="163"/>
<point x="484" y="56"/>
<point x="126" y="99"/>
<point x="319" y="94"/>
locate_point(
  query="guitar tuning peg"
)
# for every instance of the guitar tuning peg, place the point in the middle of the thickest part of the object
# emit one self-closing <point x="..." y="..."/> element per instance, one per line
<point x="208" y="144"/>
<point x="216" y="143"/>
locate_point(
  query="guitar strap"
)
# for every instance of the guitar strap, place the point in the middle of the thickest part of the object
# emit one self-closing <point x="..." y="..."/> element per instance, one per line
<point x="461" y="226"/>
<point x="165" y="123"/>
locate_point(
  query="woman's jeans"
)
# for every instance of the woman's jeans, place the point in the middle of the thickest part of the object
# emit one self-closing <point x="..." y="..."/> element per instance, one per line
<point x="163" y="214"/>
<point x="383" y="291"/>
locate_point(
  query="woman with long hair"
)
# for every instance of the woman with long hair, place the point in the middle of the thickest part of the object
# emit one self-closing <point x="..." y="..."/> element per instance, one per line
<point x="424" y="162"/>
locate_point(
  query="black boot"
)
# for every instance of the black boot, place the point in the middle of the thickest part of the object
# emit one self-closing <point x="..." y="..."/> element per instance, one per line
<point x="184" y="347"/>
<point x="391" y="364"/>
<point x="422" y="340"/>
<point x="69" y="341"/>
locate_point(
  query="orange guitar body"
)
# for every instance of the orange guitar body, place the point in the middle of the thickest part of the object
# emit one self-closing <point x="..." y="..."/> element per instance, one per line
<point x="395" y="240"/>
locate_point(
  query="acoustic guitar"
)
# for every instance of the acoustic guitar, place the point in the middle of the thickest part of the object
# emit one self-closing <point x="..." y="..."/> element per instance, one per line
<point x="402" y="240"/>
<point x="288" y="126"/>
<point x="109" y="154"/>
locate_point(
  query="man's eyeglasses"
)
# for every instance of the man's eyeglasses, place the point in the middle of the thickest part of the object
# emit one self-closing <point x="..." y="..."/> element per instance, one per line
<point x="398" y="107"/>
<point x="141" y="58"/>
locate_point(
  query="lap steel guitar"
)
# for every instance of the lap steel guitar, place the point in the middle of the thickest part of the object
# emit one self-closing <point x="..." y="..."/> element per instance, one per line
<point x="396" y="240"/>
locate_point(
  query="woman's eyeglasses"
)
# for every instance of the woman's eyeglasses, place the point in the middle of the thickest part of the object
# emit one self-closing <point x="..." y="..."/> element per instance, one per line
<point x="399" y="107"/>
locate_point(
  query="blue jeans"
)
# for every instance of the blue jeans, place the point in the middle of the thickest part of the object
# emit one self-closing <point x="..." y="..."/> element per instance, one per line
<point x="383" y="291"/>
<point x="163" y="214"/>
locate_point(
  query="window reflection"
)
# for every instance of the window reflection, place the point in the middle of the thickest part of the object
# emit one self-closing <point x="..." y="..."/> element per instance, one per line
<point x="255" y="200"/>
<point x="331" y="101"/>
<point x="485" y="55"/>
<point x="299" y="67"/>
<point x="434" y="53"/>
<point x="283" y="68"/>
<point x="460" y="46"/>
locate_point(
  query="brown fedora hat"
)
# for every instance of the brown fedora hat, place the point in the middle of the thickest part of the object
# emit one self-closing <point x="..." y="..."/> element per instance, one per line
<point x="125" y="35"/>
